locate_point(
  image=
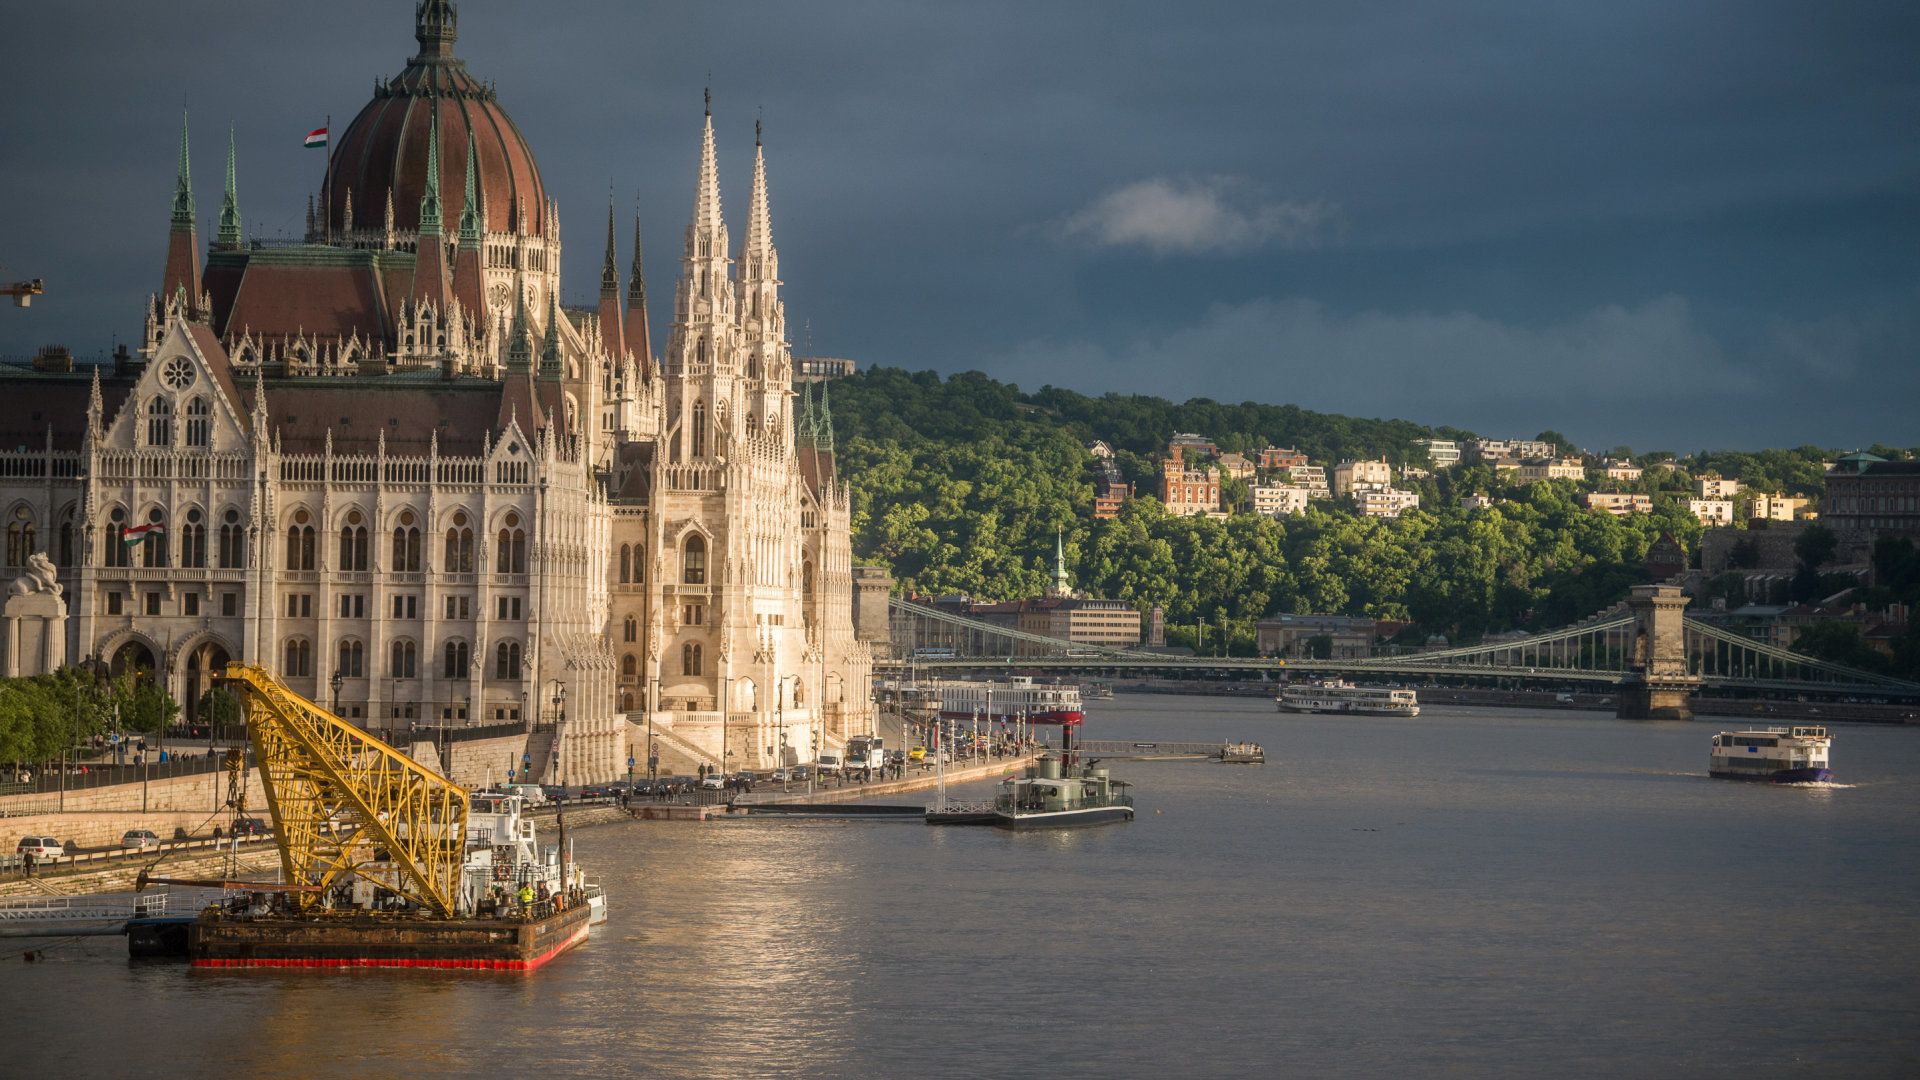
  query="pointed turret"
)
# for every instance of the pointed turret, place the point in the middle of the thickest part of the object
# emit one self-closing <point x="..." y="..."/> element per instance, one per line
<point x="762" y="320"/>
<point x="520" y="335"/>
<point x="430" y="253"/>
<point x="704" y="329"/>
<point x="706" y="196"/>
<point x="638" y="337"/>
<point x="1062" y="585"/>
<point x="96" y="407"/>
<point x="550" y="366"/>
<point x="468" y="287"/>
<point x="756" y="256"/>
<point x="183" y="249"/>
<point x="228" y="237"/>
<point x="612" y="340"/>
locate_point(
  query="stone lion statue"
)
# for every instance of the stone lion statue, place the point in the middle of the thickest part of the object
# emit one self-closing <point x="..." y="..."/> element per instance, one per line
<point x="40" y="577"/>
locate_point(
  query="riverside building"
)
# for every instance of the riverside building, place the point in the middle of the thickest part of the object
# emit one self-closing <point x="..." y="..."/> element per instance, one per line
<point x="385" y="463"/>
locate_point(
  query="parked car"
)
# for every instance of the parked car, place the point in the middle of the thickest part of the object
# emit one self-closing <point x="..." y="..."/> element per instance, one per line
<point x="139" y="838"/>
<point x="918" y="753"/>
<point x="679" y="784"/>
<point x="713" y="782"/>
<point x="553" y="792"/>
<point x="41" y="848"/>
<point x="249" y="826"/>
<point x="800" y="774"/>
<point x="619" y="788"/>
<point x="597" y="791"/>
<point x="780" y="776"/>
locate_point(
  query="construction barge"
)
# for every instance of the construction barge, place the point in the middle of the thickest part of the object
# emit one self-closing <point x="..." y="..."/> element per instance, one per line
<point x="384" y="863"/>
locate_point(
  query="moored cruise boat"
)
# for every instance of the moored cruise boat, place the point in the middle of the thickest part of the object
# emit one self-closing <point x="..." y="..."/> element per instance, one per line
<point x="1018" y="698"/>
<point x="1340" y="696"/>
<point x="1047" y="798"/>
<point x="1796" y="755"/>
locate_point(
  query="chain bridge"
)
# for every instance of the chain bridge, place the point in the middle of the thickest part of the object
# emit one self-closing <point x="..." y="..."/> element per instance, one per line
<point x="1646" y="647"/>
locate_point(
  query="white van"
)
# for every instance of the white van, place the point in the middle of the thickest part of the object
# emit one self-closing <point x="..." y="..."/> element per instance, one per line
<point x="829" y="765"/>
<point x="530" y="794"/>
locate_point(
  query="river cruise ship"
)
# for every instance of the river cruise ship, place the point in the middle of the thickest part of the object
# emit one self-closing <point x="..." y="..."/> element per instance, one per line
<point x="1018" y="698"/>
<point x="1796" y="755"/>
<point x="1339" y="696"/>
<point x="1047" y="797"/>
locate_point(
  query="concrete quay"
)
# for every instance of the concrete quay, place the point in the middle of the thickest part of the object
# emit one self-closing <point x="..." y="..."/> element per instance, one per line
<point x="992" y="769"/>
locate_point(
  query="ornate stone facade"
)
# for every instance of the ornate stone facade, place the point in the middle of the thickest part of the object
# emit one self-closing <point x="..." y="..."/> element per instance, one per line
<point x="385" y="463"/>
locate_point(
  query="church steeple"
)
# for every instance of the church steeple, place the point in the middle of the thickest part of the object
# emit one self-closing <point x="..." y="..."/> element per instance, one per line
<point x="430" y="252"/>
<point x="430" y="198"/>
<point x="1062" y="584"/>
<point x="611" y="339"/>
<point x="229" y="235"/>
<point x="704" y="328"/>
<point x="637" y="334"/>
<point x="762" y="319"/>
<point x="468" y="288"/>
<point x="182" y="277"/>
<point x="550" y="366"/>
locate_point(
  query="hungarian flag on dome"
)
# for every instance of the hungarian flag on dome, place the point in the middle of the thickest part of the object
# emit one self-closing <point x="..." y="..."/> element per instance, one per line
<point x="138" y="534"/>
<point x="317" y="139"/>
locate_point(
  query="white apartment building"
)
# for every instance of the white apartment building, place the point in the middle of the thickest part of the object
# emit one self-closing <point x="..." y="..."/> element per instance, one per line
<point x="1351" y="476"/>
<point x="1386" y="503"/>
<point x="1711" y="512"/>
<point x="1619" y="503"/>
<point x="1713" y="487"/>
<point x="1444" y="453"/>
<point x="1276" y="500"/>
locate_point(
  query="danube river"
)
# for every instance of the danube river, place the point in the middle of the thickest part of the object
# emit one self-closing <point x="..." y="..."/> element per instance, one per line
<point x="1473" y="893"/>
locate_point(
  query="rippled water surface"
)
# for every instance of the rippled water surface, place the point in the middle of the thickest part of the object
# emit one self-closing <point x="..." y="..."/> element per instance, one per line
<point x="1472" y="893"/>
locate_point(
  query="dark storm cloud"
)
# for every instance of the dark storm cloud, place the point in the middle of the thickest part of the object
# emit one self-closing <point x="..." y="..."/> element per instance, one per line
<point x="1666" y="224"/>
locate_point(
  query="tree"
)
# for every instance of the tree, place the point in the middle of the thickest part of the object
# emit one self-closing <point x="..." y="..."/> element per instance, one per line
<point x="1839" y="643"/>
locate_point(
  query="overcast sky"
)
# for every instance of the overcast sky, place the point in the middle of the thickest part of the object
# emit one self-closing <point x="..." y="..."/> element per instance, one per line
<point x="1674" y="225"/>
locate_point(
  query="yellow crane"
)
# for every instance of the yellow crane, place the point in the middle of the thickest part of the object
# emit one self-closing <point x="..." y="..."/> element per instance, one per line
<point x="23" y="292"/>
<point x="346" y="805"/>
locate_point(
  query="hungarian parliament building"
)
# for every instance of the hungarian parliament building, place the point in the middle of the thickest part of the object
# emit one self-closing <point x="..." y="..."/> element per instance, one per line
<point x="386" y="464"/>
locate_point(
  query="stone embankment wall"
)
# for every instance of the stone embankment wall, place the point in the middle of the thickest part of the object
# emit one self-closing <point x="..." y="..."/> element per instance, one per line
<point x="202" y="792"/>
<point x="103" y="828"/>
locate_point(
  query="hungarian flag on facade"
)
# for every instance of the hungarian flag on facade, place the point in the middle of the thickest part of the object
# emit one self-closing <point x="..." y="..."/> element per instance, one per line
<point x="317" y="139"/>
<point x="138" y="534"/>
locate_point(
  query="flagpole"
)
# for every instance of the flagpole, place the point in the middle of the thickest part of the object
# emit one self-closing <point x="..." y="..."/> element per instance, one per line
<point x="326" y="182"/>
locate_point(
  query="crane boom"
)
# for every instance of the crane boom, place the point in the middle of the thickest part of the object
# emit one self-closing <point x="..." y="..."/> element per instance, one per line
<point x="23" y="292"/>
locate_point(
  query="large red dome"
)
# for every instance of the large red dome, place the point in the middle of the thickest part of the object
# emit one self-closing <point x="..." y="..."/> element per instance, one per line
<point x="384" y="149"/>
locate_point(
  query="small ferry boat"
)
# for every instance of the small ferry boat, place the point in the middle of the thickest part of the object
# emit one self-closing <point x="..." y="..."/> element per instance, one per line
<point x="1243" y="753"/>
<point x="1018" y="698"/>
<point x="1047" y="798"/>
<point x="1340" y="696"/>
<point x="1795" y="755"/>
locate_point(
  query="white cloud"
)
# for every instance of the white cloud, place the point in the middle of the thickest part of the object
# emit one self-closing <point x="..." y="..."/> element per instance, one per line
<point x="1193" y="216"/>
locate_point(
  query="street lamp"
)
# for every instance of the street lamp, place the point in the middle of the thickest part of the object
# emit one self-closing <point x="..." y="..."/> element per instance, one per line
<point x="653" y="750"/>
<point x="559" y="721"/>
<point x="335" y="682"/>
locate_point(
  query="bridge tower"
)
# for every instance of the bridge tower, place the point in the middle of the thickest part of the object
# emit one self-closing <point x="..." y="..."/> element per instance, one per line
<point x="1658" y="684"/>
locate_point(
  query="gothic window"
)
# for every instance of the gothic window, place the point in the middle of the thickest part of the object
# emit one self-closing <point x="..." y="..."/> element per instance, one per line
<point x="639" y="563"/>
<point x="300" y="542"/>
<point x="299" y="658"/>
<point x="629" y="666"/>
<point x="193" y="540"/>
<point x="405" y="660"/>
<point x="353" y="542"/>
<point x="159" y="422"/>
<point x="117" y="538"/>
<point x="66" y="540"/>
<point x="699" y="429"/>
<point x="233" y="541"/>
<point x="459" y="545"/>
<point x="631" y="629"/>
<point x="456" y="660"/>
<point x="406" y="544"/>
<point x="199" y="422"/>
<point x="506" y="660"/>
<point x="353" y="657"/>
<point x="799" y="694"/>
<point x="689" y="659"/>
<point x="626" y="561"/>
<point x="19" y="536"/>
<point x="693" y="563"/>
<point x="178" y="374"/>
<point x="153" y="550"/>
<point x="513" y="548"/>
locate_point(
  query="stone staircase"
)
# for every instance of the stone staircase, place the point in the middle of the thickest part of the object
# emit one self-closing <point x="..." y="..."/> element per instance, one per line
<point x="678" y="757"/>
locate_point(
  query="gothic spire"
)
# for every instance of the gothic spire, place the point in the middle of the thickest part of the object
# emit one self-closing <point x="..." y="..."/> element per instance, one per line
<point x="183" y="184"/>
<point x="430" y="198"/>
<point x="550" y="344"/>
<point x="470" y="205"/>
<point x="1062" y="585"/>
<point x="636" y="334"/>
<point x="520" y="336"/>
<point x="825" y="420"/>
<point x="229" y="235"/>
<point x="610" y="269"/>
<point x="759" y="241"/>
<point x="706" y="199"/>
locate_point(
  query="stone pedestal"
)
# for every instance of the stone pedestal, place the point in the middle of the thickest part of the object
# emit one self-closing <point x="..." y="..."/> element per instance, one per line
<point x="33" y="634"/>
<point x="1644" y="701"/>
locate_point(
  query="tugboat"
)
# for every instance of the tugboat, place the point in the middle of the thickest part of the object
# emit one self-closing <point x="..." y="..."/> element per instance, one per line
<point x="1780" y="755"/>
<point x="1243" y="753"/>
<point x="383" y="862"/>
<point x="1047" y="798"/>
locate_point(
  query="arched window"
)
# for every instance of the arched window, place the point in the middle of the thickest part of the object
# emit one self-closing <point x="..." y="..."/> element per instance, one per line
<point x="193" y="540"/>
<point x="626" y="563"/>
<point x="629" y="666"/>
<point x="699" y="429"/>
<point x="405" y="660"/>
<point x="353" y="657"/>
<point x="19" y="536"/>
<point x="353" y="542"/>
<point x="116" y="548"/>
<point x="459" y="545"/>
<point x="233" y="541"/>
<point x="199" y="422"/>
<point x="406" y="544"/>
<point x="506" y="660"/>
<point x="639" y="563"/>
<point x="153" y="550"/>
<point x="693" y="563"/>
<point x="300" y="542"/>
<point x="65" y="555"/>
<point x="456" y="660"/>
<point x="689" y="659"/>
<point x="299" y="658"/>
<point x="159" y="422"/>
<point x="513" y="548"/>
<point x="630" y="630"/>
